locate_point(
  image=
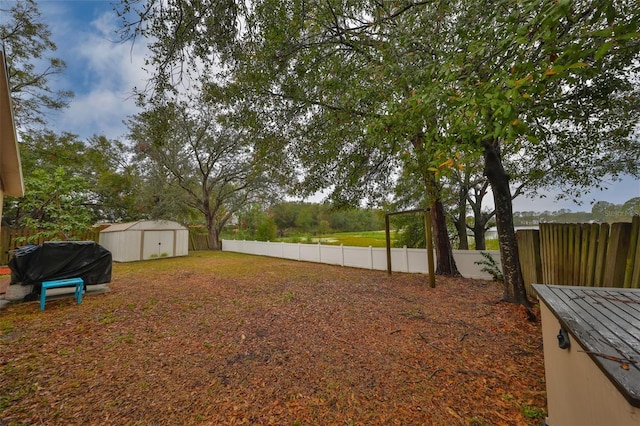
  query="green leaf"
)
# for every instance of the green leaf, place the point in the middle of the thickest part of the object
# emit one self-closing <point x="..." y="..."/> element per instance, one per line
<point x="611" y="13"/>
<point x="533" y="139"/>
<point x="602" y="50"/>
<point x="577" y="65"/>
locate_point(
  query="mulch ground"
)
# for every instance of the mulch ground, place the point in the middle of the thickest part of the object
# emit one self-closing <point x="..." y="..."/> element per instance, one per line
<point x="220" y="338"/>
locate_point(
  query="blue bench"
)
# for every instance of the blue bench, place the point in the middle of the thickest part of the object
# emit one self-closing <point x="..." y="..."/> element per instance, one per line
<point x="69" y="282"/>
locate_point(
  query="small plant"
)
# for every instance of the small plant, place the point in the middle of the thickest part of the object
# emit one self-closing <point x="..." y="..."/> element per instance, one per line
<point x="532" y="412"/>
<point x="490" y="266"/>
<point x="164" y="254"/>
<point x="126" y="338"/>
<point x="6" y="326"/>
<point x="288" y="296"/>
<point x="478" y="421"/>
<point x="414" y="313"/>
<point x="107" y="319"/>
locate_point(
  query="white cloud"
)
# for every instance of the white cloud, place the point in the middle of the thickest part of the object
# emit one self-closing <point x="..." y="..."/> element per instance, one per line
<point x="101" y="72"/>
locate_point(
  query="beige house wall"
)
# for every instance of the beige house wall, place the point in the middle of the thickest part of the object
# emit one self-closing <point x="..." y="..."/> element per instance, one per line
<point x="578" y="392"/>
<point x="11" y="182"/>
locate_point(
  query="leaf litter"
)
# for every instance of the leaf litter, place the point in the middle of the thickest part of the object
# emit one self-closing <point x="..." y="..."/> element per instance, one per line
<point x="222" y="338"/>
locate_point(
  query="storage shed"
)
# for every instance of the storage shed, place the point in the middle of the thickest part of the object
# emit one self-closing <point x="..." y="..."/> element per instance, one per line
<point x="145" y="239"/>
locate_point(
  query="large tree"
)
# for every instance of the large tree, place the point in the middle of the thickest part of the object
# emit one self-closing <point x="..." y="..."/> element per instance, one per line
<point x="107" y="181"/>
<point x="60" y="193"/>
<point x="550" y="84"/>
<point x="114" y="178"/>
<point x="309" y="95"/>
<point x="211" y="168"/>
<point x="48" y="159"/>
<point x="28" y="46"/>
<point x="57" y="205"/>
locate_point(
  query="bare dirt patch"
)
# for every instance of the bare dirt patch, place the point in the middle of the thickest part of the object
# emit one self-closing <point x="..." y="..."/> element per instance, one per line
<point x="220" y="338"/>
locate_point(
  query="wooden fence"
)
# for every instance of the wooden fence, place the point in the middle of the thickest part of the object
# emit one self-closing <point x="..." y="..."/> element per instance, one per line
<point x="198" y="241"/>
<point x="10" y="239"/>
<point x="588" y="254"/>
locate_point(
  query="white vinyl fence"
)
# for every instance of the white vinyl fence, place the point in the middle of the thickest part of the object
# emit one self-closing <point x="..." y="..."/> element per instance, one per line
<point x="402" y="259"/>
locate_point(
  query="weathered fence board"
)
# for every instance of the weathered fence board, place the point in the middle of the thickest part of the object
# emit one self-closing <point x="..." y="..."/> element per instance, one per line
<point x="530" y="260"/>
<point x="198" y="242"/>
<point x="616" y="260"/>
<point x="632" y="267"/>
<point x="590" y="254"/>
<point x="601" y="255"/>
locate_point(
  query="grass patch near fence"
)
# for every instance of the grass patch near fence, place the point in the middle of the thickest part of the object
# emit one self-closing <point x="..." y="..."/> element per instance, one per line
<point x="226" y="338"/>
<point x="363" y="239"/>
<point x="352" y="239"/>
<point x="355" y="239"/>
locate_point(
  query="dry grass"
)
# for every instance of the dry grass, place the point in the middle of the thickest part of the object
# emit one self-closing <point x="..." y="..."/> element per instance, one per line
<point x="220" y="338"/>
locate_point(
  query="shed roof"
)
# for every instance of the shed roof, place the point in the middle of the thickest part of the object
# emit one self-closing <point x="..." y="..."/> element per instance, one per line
<point x="145" y="225"/>
<point x="10" y="167"/>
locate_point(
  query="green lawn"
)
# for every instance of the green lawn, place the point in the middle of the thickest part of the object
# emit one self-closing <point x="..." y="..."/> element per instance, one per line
<point x="354" y="239"/>
<point x="361" y="239"/>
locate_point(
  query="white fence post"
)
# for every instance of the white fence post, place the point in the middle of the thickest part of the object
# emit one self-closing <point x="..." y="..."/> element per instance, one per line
<point x="405" y="253"/>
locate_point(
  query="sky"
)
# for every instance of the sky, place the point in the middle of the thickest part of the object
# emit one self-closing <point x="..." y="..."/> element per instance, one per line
<point x="100" y="71"/>
<point x="103" y="73"/>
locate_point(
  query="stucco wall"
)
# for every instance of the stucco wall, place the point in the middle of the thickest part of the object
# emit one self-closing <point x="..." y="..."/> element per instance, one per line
<point x="578" y="392"/>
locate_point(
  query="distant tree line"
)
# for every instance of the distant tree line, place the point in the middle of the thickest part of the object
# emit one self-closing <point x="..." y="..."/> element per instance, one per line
<point x="602" y="211"/>
<point x="296" y="218"/>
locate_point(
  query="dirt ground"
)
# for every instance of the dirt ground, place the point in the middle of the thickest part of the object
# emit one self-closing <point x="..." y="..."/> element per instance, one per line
<point x="221" y="338"/>
<point x="5" y="280"/>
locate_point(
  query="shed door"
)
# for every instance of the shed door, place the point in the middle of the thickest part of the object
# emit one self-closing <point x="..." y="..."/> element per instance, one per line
<point x="157" y="244"/>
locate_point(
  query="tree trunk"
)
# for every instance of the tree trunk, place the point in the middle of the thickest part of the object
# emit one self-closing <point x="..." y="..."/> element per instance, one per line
<point x="514" y="289"/>
<point x="461" y="218"/>
<point x="478" y="233"/>
<point x="461" y="228"/>
<point x="445" y="263"/>
<point x="214" y="236"/>
<point x="480" y="218"/>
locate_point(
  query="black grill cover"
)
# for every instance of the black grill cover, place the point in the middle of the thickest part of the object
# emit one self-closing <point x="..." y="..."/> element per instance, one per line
<point x="57" y="260"/>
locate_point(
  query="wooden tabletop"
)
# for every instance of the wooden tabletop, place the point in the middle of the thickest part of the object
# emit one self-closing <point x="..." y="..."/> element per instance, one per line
<point x="606" y="323"/>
